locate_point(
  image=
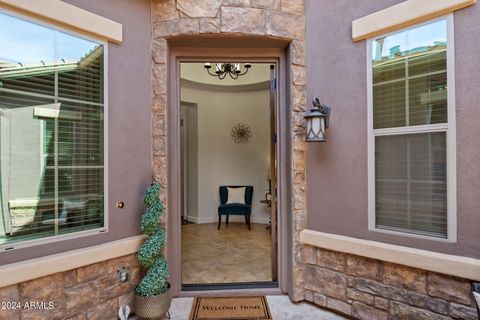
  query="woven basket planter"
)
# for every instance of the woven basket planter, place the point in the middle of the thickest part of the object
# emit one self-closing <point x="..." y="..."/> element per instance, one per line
<point x="154" y="307"/>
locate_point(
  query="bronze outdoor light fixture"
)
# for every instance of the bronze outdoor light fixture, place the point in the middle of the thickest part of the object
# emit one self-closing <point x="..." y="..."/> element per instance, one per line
<point x="234" y="70"/>
<point x="317" y="122"/>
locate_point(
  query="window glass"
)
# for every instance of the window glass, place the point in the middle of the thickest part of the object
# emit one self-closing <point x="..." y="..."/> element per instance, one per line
<point x="389" y="101"/>
<point x="27" y="55"/>
<point x="410" y="182"/>
<point x="412" y="64"/>
<point x="51" y="132"/>
<point x="80" y="68"/>
<point x="409" y="75"/>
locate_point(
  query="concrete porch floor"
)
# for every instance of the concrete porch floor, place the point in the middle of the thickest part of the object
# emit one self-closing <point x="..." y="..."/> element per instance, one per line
<point x="280" y="306"/>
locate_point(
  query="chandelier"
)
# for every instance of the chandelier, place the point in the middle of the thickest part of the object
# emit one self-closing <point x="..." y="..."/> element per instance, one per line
<point x="234" y="70"/>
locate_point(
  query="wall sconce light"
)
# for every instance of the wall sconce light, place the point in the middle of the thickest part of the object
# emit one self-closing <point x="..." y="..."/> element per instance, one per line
<point x="317" y="122"/>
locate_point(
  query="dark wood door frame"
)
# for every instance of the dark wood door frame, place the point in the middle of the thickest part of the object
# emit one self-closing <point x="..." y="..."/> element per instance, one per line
<point x="278" y="56"/>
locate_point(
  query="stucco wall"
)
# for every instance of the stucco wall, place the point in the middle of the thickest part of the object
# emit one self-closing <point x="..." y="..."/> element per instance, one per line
<point x="337" y="169"/>
<point x="129" y="133"/>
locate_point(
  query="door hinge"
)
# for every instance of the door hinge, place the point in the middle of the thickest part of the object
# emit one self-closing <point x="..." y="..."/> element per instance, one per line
<point x="274" y="138"/>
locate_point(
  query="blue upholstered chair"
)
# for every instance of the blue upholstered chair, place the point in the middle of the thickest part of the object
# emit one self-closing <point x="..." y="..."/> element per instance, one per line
<point x="244" y="209"/>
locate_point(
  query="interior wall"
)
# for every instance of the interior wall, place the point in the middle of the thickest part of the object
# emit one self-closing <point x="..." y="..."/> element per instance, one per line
<point x="221" y="161"/>
<point x="190" y="123"/>
<point x="337" y="169"/>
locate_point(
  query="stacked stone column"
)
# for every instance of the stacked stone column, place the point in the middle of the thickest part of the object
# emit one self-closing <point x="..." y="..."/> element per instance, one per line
<point x="281" y="19"/>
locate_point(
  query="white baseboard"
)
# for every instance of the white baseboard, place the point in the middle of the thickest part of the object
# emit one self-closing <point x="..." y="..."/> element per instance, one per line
<point x="233" y="218"/>
<point x="191" y="219"/>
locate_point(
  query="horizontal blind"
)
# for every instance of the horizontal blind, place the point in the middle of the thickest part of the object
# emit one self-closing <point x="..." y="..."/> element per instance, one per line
<point x="410" y="182"/>
<point x="389" y="103"/>
<point x="428" y="99"/>
<point x="409" y="73"/>
<point x="85" y="81"/>
<point x="51" y="132"/>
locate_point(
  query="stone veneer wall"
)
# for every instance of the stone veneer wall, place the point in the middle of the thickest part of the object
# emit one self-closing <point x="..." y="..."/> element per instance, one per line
<point x="90" y="292"/>
<point x="282" y="19"/>
<point x="371" y="289"/>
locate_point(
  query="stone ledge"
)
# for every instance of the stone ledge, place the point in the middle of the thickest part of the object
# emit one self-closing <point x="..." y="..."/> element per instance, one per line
<point x="36" y="268"/>
<point x="463" y="267"/>
<point x="402" y="15"/>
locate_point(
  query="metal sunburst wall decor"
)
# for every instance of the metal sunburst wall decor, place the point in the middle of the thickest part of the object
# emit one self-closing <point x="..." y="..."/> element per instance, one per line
<point x="241" y="133"/>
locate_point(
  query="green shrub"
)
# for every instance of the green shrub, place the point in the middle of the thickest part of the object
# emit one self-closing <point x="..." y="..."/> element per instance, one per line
<point x="149" y="224"/>
<point x="155" y="282"/>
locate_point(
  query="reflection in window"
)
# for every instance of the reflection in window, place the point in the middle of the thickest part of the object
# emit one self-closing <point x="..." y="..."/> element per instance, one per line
<point x="409" y="73"/>
<point x="410" y="77"/>
<point x="51" y="132"/>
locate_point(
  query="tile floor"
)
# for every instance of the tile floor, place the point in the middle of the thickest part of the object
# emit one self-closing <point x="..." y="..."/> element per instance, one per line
<point x="231" y="254"/>
<point x="280" y="306"/>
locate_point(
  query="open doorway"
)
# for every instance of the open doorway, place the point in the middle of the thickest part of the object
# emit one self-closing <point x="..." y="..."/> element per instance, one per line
<point x="228" y="176"/>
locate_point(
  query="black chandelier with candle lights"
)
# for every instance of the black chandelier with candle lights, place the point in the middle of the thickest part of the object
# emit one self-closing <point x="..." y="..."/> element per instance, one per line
<point x="234" y="70"/>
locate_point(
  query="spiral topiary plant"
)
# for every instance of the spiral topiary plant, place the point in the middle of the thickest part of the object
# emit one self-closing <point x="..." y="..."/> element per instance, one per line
<point x="150" y="254"/>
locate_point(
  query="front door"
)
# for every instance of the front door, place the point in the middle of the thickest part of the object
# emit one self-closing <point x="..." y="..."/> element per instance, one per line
<point x="273" y="169"/>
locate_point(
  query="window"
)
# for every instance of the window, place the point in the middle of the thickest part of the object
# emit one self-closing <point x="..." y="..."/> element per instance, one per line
<point x="51" y="133"/>
<point x="411" y="131"/>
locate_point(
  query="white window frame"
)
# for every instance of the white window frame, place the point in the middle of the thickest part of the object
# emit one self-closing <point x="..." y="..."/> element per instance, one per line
<point x="90" y="232"/>
<point x="449" y="128"/>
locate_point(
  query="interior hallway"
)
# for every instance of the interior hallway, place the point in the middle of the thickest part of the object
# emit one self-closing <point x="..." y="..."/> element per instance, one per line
<point x="231" y="254"/>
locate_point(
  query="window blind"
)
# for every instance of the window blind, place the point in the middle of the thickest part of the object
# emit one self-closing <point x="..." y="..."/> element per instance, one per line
<point x="409" y="73"/>
<point x="51" y="132"/>
<point x="410" y="182"/>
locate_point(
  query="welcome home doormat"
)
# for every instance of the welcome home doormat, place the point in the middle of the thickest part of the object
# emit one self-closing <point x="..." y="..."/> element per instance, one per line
<point x="230" y="308"/>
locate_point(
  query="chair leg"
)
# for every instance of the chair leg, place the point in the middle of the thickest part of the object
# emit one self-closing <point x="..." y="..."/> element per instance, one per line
<point x="219" y="221"/>
<point x="227" y="217"/>
<point x="249" y="223"/>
